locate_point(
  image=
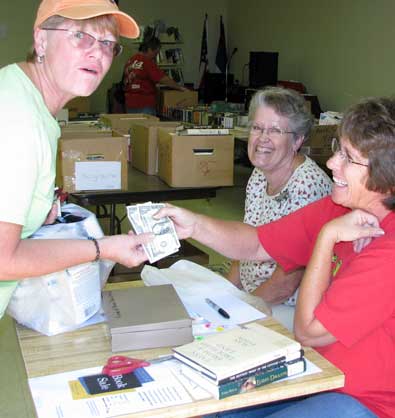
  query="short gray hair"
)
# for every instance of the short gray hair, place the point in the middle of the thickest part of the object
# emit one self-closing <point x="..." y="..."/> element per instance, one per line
<point x="287" y="103"/>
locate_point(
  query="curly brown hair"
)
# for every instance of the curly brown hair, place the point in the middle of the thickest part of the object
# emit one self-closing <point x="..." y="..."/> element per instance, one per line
<point x="370" y="127"/>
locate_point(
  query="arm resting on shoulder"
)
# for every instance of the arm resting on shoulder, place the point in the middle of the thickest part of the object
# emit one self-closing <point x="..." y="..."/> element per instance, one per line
<point x="353" y="226"/>
<point x="280" y="286"/>
<point x="308" y="329"/>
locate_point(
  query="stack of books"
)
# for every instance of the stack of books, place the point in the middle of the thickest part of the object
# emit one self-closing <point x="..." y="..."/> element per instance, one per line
<point x="240" y="359"/>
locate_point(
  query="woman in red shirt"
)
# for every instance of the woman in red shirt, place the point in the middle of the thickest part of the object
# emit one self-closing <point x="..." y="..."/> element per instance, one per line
<point x="346" y="305"/>
<point x="141" y="76"/>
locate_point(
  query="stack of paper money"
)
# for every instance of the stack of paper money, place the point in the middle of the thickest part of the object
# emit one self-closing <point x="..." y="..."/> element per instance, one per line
<point x="166" y="241"/>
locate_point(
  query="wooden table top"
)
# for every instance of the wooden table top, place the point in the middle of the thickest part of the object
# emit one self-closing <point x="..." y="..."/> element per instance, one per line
<point x="90" y="347"/>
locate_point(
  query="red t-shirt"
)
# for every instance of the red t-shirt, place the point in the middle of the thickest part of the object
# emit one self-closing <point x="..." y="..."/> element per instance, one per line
<point x="140" y="78"/>
<point x="359" y="306"/>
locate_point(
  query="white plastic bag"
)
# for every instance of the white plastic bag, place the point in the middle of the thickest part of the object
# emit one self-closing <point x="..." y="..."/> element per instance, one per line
<point x="61" y="301"/>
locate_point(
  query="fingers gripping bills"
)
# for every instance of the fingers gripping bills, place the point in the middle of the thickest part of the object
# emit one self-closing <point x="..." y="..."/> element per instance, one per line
<point x="166" y="241"/>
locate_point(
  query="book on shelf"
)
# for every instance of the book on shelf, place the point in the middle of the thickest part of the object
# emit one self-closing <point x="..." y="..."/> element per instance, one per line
<point x="228" y="353"/>
<point x="244" y="384"/>
<point x="146" y="317"/>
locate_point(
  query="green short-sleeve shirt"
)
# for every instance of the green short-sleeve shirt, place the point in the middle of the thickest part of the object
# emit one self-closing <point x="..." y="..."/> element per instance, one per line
<point x="28" y="145"/>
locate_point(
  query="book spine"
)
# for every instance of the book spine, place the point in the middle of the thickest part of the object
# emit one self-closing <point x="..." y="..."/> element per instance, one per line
<point x="260" y="379"/>
<point x="264" y="367"/>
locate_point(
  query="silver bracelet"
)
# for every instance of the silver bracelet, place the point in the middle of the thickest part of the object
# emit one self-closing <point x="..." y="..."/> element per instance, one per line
<point x="97" y="258"/>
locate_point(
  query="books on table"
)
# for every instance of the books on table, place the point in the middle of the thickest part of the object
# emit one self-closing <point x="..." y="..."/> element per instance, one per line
<point x="261" y="377"/>
<point x="146" y="317"/>
<point x="230" y="353"/>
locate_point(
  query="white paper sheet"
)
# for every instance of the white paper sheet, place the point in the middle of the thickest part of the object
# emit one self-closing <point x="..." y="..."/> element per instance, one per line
<point x="97" y="175"/>
<point x="193" y="284"/>
<point x="239" y="311"/>
<point x="53" y="399"/>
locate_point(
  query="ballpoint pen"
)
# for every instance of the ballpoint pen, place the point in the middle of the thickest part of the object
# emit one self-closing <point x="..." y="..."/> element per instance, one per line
<point x="221" y="311"/>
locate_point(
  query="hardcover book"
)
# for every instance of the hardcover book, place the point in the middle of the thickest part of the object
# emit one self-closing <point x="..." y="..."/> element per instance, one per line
<point x="146" y="317"/>
<point x="228" y="353"/>
<point x="244" y="384"/>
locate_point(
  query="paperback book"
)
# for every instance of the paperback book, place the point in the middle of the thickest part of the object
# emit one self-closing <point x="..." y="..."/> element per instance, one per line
<point x="244" y="384"/>
<point x="226" y="354"/>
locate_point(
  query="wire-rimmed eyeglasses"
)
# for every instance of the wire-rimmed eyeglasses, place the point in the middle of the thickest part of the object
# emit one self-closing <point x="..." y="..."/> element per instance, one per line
<point x="84" y="40"/>
<point x="272" y="131"/>
<point x="337" y="150"/>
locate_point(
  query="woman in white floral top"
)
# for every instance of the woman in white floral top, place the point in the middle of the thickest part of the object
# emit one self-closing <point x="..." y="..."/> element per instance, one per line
<point x="282" y="181"/>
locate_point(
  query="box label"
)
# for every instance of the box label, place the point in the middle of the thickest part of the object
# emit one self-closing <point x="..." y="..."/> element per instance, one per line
<point x="97" y="175"/>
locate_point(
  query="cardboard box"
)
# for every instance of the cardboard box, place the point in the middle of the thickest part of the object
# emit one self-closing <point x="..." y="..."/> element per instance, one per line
<point x="84" y="131"/>
<point x="144" y="144"/>
<point x="195" y="161"/>
<point x="126" y="134"/>
<point x="78" y="105"/>
<point x="123" y="121"/>
<point x="176" y="98"/>
<point x="319" y="144"/>
<point x="92" y="163"/>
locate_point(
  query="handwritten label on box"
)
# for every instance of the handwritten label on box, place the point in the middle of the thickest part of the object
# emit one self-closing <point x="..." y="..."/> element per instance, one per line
<point x="97" y="175"/>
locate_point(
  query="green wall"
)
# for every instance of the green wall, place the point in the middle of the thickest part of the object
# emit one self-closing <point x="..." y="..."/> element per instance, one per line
<point x="341" y="49"/>
<point x="188" y="16"/>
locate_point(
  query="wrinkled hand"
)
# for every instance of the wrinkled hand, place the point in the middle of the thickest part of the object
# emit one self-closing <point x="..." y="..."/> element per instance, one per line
<point x="357" y="226"/>
<point x="183" y="219"/>
<point x="125" y="249"/>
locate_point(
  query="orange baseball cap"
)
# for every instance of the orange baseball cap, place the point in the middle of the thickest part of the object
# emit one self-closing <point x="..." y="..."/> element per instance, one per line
<point x="85" y="9"/>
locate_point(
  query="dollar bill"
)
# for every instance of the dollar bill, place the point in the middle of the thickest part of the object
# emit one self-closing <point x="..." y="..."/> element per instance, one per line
<point x="165" y="241"/>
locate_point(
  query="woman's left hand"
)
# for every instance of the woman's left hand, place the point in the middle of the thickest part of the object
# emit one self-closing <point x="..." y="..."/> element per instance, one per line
<point x="357" y="226"/>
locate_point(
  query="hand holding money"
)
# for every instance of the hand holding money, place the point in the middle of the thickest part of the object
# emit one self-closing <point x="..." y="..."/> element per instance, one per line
<point x="166" y="241"/>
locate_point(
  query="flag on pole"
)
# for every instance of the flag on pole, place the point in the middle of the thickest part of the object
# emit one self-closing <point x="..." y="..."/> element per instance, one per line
<point x="221" y="59"/>
<point x="203" y="65"/>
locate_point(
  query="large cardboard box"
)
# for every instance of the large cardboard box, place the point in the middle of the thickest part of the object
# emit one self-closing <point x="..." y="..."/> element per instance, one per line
<point x="84" y="130"/>
<point x="176" y="98"/>
<point x="195" y="161"/>
<point x="92" y="163"/>
<point x="319" y="144"/>
<point x="123" y="121"/>
<point x="144" y="144"/>
<point x="78" y="105"/>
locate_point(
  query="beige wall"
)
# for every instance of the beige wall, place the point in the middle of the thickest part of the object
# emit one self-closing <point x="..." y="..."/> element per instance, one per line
<point x="340" y="49"/>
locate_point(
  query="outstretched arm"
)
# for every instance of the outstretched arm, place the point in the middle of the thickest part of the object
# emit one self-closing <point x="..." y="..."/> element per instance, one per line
<point x="234" y="240"/>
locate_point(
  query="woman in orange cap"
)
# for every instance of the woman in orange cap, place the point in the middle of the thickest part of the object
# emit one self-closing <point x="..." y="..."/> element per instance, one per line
<point x="75" y="42"/>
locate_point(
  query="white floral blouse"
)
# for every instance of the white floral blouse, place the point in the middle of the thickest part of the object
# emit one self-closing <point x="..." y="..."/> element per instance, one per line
<point x="307" y="184"/>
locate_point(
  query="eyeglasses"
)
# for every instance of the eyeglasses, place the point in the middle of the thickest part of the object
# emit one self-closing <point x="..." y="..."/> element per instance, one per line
<point x="336" y="149"/>
<point x="84" y="40"/>
<point x="272" y="132"/>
